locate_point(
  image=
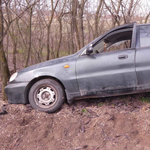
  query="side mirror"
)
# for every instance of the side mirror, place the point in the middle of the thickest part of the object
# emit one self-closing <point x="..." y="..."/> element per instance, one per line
<point x="89" y="50"/>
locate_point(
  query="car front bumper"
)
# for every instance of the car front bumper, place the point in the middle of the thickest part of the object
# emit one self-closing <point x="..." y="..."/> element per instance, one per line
<point x="16" y="93"/>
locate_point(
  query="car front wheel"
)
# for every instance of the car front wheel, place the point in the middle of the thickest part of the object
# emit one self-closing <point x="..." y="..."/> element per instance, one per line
<point x="46" y="95"/>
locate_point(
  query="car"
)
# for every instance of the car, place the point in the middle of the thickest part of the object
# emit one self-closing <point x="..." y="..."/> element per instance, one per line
<point x="115" y="63"/>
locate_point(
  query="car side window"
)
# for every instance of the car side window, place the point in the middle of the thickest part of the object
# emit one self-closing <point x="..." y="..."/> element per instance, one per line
<point x="143" y="36"/>
<point x="114" y="41"/>
<point x="119" y="45"/>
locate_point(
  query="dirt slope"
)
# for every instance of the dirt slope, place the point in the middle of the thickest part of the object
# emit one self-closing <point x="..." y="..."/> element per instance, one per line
<point x="116" y="123"/>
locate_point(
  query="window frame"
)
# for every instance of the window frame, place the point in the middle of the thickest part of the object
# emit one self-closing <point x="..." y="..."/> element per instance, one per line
<point x="125" y="26"/>
<point x="117" y="32"/>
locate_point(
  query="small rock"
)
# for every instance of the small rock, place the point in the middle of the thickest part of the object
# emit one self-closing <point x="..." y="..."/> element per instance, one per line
<point x="3" y="110"/>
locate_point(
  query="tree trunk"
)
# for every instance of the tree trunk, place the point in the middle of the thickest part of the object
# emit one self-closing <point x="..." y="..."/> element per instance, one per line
<point x="5" y="74"/>
<point x="128" y="17"/>
<point x="14" y="42"/>
<point x="97" y="17"/>
<point x="81" y="29"/>
<point x="60" y="36"/>
<point x="14" y="55"/>
<point x="74" y="23"/>
<point x="114" y="12"/>
<point x="49" y="26"/>
<point x="30" y="36"/>
<point x="71" y="37"/>
<point x="146" y="18"/>
<point x="48" y="39"/>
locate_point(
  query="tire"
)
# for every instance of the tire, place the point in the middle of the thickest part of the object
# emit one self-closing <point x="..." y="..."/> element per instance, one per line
<point x="46" y="95"/>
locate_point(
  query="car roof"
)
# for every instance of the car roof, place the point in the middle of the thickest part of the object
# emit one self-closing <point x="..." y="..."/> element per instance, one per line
<point x="146" y="24"/>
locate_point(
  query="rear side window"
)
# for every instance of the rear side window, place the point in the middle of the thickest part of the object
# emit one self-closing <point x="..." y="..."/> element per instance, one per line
<point x="143" y="36"/>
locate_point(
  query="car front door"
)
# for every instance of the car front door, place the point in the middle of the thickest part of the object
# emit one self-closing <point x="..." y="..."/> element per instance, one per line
<point x="107" y="73"/>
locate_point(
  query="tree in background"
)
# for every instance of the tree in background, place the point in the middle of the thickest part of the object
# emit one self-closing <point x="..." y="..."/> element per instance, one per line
<point x="4" y="66"/>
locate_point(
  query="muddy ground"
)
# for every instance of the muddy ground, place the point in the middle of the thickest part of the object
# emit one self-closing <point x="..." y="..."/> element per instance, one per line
<point x="117" y="123"/>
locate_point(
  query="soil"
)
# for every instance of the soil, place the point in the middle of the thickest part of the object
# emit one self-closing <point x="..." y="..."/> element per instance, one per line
<point x="116" y="123"/>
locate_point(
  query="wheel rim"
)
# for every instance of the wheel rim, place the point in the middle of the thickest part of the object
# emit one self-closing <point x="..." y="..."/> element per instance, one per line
<point x="45" y="96"/>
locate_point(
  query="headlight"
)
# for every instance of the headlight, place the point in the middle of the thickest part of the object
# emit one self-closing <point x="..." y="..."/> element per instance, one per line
<point x="13" y="77"/>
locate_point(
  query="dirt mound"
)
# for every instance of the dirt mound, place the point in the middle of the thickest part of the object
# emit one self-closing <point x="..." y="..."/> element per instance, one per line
<point x="107" y="124"/>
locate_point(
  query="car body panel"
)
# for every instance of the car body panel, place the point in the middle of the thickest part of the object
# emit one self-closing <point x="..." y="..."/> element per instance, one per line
<point x="15" y="93"/>
<point x="53" y="68"/>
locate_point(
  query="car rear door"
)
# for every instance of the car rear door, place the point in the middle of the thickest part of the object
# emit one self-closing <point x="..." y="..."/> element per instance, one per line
<point x="143" y="56"/>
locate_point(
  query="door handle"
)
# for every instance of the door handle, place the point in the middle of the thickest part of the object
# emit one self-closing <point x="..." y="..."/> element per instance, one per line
<point x="122" y="56"/>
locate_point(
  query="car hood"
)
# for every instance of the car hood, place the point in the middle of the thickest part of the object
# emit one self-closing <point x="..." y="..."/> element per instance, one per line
<point x="51" y="62"/>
